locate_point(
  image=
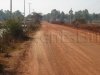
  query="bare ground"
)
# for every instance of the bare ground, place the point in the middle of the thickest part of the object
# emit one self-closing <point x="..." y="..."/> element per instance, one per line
<point x="60" y="50"/>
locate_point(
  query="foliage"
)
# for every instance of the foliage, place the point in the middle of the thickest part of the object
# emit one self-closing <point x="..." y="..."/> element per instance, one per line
<point x="13" y="32"/>
<point x="34" y="21"/>
<point x="4" y="42"/>
<point x="57" y="16"/>
<point x="80" y="21"/>
<point x="18" y="15"/>
<point x="82" y="15"/>
<point x="2" y="15"/>
<point x="15" y="29"/>
<point x="5" y="15"/>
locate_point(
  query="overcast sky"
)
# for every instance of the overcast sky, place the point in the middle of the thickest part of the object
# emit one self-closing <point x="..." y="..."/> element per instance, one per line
<point x="45" y="6"/>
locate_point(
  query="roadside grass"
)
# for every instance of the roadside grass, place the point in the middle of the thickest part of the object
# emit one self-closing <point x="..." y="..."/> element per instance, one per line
<point x="9" y="58"/>
<point x="12" y="50"/>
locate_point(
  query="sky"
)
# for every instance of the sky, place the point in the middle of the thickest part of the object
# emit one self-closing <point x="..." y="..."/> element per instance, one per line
<point x="45" y="6"/>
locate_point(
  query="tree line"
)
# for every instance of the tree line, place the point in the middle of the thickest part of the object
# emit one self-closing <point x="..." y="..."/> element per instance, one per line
<point x="84" y="15"/>
<point x="5" y="15"/>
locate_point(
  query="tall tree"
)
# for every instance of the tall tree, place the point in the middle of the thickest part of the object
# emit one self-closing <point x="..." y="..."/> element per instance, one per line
<point x="86" y="15"/>
<point x="71" y="15"/>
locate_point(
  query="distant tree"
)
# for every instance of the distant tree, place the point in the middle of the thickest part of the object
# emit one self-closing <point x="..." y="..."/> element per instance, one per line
<point x="86" y="15"/>
<point x="96" y="16"/>
<point x="34" y="21"/>
<point x="79" y="15"/>
<point x="37" y="17"/>
<point x="47" y="17"/>
<point x="55" y="15"/>
<point x="18" y="15"/>
<point x="62" y="17"/>
<point x="7" y="15"/>
<point x="82" y="15"/>
<point x="2" y="15"/>
<point x="71" y="15"/>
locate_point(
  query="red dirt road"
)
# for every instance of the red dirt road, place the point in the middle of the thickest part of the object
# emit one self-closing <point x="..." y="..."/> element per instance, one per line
<point x="56" y="50"/>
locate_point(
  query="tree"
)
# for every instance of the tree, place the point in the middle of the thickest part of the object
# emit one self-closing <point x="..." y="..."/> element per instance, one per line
<point x="62" y="17"/>
<point x="2" y="15"/>
<point x="96" y="16"/>
<point x="55" y="15"/>
<point x="79" y="15"/>
<point x="34" y="21"/>
<point x="86" y="15"/>
<point x="5" y="15"/>
<point x="71" y="15"/>
<point x="8" y="14"/>
<point x="18" y="15"/>
<point x="82" y="15"/>
<point x="47" y="17"/>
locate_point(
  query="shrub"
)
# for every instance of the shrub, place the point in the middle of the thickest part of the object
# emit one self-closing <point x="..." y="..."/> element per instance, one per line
<point x="34" y="21"/>
<point x="14" y="29"/>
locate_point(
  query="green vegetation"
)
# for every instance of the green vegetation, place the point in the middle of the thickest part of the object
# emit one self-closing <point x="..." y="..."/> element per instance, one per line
<point x="34" y="21"/>
<point x="14" y="28"/>
<point x="56" y="16"/>
<point x="5" y="15"/>
<point x="61" y="17"/>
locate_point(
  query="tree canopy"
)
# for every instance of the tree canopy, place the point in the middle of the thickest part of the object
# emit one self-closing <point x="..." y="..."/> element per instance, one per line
<point x="5" y="15"/>
<point x="56" y="15"/>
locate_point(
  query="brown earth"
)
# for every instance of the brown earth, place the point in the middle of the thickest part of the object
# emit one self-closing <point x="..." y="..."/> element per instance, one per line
<point x="61" y="50"/>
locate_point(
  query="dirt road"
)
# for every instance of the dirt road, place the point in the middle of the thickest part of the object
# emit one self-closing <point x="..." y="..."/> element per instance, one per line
<point x="60" y="50"/>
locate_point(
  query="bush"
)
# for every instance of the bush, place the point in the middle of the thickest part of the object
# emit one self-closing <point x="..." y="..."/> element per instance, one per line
<point x="34" y="21"/>
<point x="14" y="29"/>
<point x="13" y="33"/>
<point x="4" y="38"/>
